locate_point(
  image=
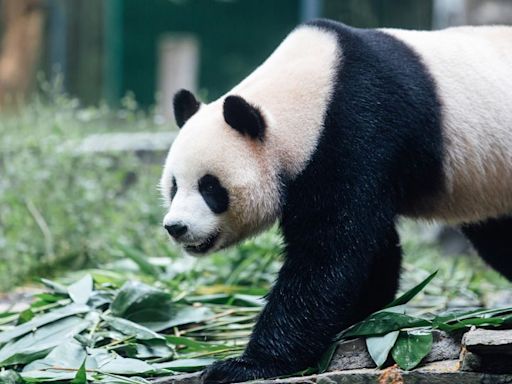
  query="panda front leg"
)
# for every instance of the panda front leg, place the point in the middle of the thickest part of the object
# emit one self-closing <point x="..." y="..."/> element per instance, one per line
<point x="324" y="286"/>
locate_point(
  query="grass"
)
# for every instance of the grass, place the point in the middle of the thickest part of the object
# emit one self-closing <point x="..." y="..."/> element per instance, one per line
<point x="60" y="211"/>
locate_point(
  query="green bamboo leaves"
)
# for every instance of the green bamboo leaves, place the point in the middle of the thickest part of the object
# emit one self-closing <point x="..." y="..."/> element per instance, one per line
<point x="407" y="338"/>
<point x="81" y="291"/>
<point x="411" y="347"/>
<point x="112" y="330"/>
<point x="38" y="343"/>
<point x="407" y="348"/>
<point x="95" y="332"/>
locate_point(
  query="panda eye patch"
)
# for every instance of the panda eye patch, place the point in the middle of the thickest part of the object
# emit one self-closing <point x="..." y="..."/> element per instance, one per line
<point x="213" y="193"/>
<point x="174" y="188"/>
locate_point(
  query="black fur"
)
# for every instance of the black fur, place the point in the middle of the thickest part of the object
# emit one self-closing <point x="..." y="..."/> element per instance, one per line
<point x="214" y="194"/>
<point x="380" y="153"/>
<point x="174" y="188"/>
<point x="244" y="117"/>
<point x="492" y="240"/>
<point x="185" y="106"/>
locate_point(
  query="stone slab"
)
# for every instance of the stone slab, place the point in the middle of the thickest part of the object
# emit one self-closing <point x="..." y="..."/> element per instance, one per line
<point x="353" y="354"/>
<point x="487" y="350"/>
<point x="445" y="372"/>
<point x="352" y="363"/>
<point x="488" y="341"/>
<point x="490" y="363"/>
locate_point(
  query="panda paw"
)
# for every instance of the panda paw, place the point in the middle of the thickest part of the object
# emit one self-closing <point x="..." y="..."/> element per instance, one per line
<point x="236" y="370"/>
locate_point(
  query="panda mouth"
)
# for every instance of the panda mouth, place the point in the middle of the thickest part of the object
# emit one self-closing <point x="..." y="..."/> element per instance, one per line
<point x="205" y="246"/>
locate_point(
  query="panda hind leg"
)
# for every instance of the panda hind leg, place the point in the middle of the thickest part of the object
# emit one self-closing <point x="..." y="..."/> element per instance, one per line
<point x="493" y="241"/>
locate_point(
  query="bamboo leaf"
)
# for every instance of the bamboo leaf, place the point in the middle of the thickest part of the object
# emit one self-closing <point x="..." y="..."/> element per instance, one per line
<point x="193" y="345"/>
<point x="153" y="308"/>
<point x="410" y="294"/>
<point x="482" y="313"/>
<point x="81" y="291"/>
<point x="182" y="314"/>
<point x="142" y="304"/>
<point x="57" y="314"/>
<point x="48" y="298"/>
<point x="466" y="323"/>
<point x="130" y="328"/>
<point x="69" y="356"/>
<point x="411" y="347"/>
<point x="126" y="366"/>
<point x="154" y="348"/>
<point x="252" y="300"/>
<point x="116" y="379"/>
<point x="185" y="365"/>
<point x="381" y="323"/>
<point x="37" y="344"/>
<point x="379" y="346"/>
<point x="98" y="357"/>
<point x="81" y="376"/>
<point x="10" y="377"/>
<point x="54" y="286"/>
<point x="25" y="316"/>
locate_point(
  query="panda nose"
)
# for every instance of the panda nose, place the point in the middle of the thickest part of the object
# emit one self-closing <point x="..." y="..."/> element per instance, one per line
<point x="176" y="230"/>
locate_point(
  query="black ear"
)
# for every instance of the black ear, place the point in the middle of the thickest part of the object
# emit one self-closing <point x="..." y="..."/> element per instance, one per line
<point x="185" y="105"/>
<point x="244" y="117"/>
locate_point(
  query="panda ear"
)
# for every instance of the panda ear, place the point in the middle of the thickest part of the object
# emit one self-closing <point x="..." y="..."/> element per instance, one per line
<point x="185" y="106"/>
<point x="244" y="117"/>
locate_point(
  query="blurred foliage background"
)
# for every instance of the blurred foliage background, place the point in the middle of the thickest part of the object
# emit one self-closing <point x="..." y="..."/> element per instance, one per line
<point x="70" y="69"/>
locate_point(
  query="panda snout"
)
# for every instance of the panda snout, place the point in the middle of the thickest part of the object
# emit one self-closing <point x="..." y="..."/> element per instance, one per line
<point x="176" y="230"/>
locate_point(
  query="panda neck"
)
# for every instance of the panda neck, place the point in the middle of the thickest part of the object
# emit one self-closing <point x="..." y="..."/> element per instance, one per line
<point x="293" y="88"/>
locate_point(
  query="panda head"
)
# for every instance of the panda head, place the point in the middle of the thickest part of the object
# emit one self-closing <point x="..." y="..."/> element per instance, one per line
<point x="220" y="182"/>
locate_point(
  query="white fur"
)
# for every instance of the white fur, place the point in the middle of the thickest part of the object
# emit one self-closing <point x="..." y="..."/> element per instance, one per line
<point x="472" y="67"/>
<point x="292" y="88"/>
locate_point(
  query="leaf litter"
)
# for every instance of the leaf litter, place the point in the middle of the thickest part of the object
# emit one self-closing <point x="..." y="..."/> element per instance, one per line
<point x="108" y="331"/>
<point x="91" y="331"/>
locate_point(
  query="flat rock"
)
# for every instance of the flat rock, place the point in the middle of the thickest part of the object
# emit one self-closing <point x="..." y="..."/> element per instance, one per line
<point x="353" y="354"/>
<point x="182" y="378"/>
<point x="487" y="341"/>
<point x="352" y="364"/>
<point x="445" y="372"/>
<point x="489" y="363"/>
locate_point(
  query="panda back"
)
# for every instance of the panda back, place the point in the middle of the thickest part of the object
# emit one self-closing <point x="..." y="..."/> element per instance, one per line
<point x="472" y="70"/>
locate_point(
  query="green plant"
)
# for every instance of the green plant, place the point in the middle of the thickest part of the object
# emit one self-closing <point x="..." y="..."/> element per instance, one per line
<point x="106" y="326"/>
<point x="408" y="337"/>
<point x="104" y="330"/>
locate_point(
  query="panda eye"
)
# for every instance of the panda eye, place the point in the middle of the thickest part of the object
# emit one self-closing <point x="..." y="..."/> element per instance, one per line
<point x="214" y="194"/>
<point x="208" y="184"/>
<point x="209" y="188"/>
<point x="174" y="188"/>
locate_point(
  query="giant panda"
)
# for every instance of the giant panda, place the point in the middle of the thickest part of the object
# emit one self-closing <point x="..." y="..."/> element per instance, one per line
<point x="339" y="132"/>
